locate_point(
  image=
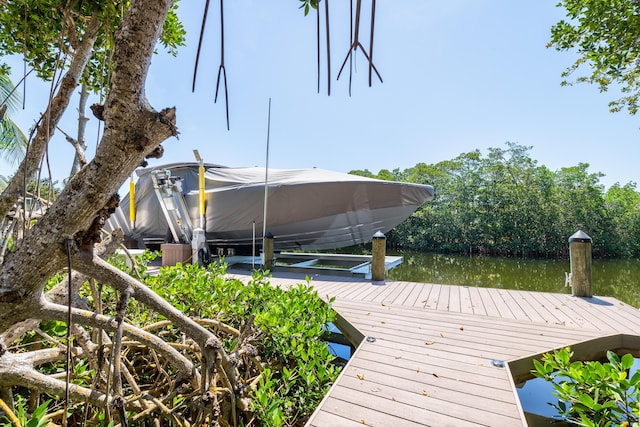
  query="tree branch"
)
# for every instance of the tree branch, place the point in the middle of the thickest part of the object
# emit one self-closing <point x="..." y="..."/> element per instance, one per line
<point x="183" y="365"/>
<point x="209" y="343"/>
<point x="58" y="294"/>
<point x="18" y="370"/>
<point x="51" y="117"/>
<point x="132" y="131"/>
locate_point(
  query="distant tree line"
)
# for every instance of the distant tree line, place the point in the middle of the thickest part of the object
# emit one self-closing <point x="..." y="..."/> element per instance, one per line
<point x="504" y="203"/>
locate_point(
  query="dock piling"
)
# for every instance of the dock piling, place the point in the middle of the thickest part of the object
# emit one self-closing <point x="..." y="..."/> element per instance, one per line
<point x="378" y="257"/>
<point x="580" y="256"/>
<point x="267" y="251"/>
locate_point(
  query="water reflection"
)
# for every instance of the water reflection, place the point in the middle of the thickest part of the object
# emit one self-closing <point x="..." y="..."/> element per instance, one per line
<point x="614" y="278"/>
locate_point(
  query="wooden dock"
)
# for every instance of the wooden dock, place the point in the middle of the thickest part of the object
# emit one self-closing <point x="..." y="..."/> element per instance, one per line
<point x="430" y="353"/>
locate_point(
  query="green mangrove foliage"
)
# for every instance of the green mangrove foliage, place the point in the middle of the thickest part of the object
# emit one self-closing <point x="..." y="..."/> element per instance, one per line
<point x="504" y="203"/>
<point x="592" y="393"/>
<point x="287" y="326"/>
<point x="273" y="335"/>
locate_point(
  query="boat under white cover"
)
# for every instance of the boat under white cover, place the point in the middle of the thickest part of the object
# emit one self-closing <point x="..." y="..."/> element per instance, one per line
<point x="307" y="209"/>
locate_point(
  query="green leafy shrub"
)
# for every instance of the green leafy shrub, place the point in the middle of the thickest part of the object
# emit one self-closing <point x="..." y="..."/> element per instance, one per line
<point x="37" y="419"/>
<point x="286" y="374"/>
<point x="592" y="393"/>
<point x="288" y="327"/>
<point x="137" y="266"/>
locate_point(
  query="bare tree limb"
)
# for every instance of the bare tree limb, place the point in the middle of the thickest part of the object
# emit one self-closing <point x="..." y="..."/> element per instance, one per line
<point x="183" y="366"/>
<point x="18" y="369"/>
<point x="207" y="340"/>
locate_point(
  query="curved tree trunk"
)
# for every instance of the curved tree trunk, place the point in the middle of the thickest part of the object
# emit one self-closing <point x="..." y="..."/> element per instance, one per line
<point x="71" y="227"/>
<point x="132" y="131"/>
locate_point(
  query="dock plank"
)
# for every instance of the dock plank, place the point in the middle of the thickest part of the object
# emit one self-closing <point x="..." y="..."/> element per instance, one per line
<point x="548" y="309"/>
<point x="477" y="305"/>
<point x="466" y="300"/>
<point x="528" y="306"/>
<point x="416" y="397"/>
<point x="399" y="409"/>
<point x="443" y="298"/>
<point x="458" y="334"/>
<point x="564" y="314"/>
<point x="406" y="292"/>
<point x="455" y="299"/>
<point x="445" y="383"/>
<point x="383" y="294"/>
<point x="505" y="309"/>
<point x="326" y="418"/>
<point x="490" y="307"/>
<point x="396" y="291"/>
<point x="422" y="299"/>
<point x="434" y="296"/>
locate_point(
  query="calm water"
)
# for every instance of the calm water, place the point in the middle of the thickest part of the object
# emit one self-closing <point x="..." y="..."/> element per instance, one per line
<point x="614" y="278"/>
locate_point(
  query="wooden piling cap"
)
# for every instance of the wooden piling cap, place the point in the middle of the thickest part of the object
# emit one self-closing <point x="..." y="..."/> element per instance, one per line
<point x="379" y="235"/>
<point x="580" y="236"/>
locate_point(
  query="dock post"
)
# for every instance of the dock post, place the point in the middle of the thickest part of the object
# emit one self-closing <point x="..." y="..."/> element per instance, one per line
<point x="580" y="256"/>
<point x="378" y="257"/>
<point x="267" y="251"/>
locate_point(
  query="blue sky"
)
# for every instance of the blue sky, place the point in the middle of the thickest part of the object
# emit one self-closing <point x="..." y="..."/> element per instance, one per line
<point x="458" y="76"/>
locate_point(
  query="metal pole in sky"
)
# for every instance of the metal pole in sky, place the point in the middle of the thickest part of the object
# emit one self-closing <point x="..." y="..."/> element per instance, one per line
<point x="266" y="176"/>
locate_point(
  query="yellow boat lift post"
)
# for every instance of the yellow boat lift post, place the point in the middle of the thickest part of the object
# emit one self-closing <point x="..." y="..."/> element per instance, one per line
<point x="200" y="187"/>
<point x="199" y="238"/>
<point x="132" y="203"/>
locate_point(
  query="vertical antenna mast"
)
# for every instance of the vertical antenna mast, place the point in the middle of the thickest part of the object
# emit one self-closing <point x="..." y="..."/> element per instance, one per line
<point x="266" y="175"/>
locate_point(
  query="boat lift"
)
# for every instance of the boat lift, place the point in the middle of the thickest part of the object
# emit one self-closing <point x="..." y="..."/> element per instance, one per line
<point x="168" y="189"/>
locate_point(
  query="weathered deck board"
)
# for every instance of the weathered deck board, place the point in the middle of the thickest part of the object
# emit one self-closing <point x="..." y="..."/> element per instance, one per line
<point x="466" y="300"/>
<point x="477" y="304"/>
<point x="542" y="307"/>
<point x="382" y="293"/>
<point x="423" y="297"/>
<point x="413" y="297"/>
<point x="431" y="361"/>
<point x="494" y="305"/>
<point x="406" y="410"/>
<point x="404" y="295"/>
<point x="529" y="306"/>
<point x="460" y="332"/>
<point x="415" y="396"/>
<point x="443" y="298"/>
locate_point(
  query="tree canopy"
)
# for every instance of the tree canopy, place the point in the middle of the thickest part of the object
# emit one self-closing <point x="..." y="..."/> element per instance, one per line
<point x="48" y="33"/>
<point x="604" y="33"/>
<point x="504" y="203"/>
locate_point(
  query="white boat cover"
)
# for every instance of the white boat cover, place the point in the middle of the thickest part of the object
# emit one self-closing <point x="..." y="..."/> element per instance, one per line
<point x="306" y="208"/>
